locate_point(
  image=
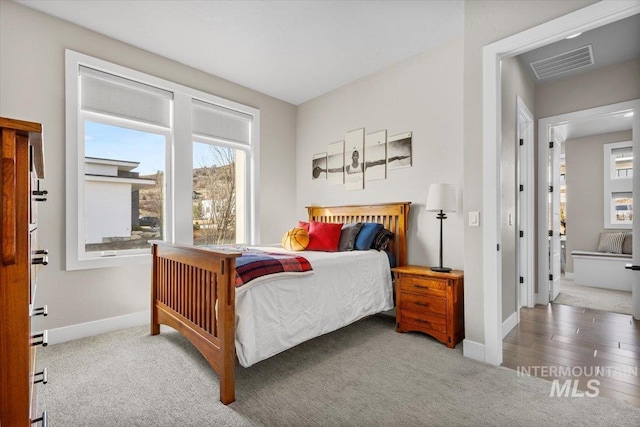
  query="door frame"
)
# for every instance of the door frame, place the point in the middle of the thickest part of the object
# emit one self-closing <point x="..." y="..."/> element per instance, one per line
<point x="584" y="19"/>
<point x="525" y="206"/>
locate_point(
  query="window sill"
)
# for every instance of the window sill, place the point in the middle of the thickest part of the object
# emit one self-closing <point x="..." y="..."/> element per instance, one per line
<point x="107" y="261"/>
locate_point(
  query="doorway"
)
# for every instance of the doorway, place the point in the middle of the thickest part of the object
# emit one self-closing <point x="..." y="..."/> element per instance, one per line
<point x="590" y="17"/>
<point x="599" y="152"/>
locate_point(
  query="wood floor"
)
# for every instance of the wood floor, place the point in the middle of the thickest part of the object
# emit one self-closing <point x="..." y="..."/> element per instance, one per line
<point x="552" y="337"/>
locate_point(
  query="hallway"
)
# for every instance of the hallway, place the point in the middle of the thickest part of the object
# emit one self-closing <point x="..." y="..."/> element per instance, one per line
<point x="551" y="337"/>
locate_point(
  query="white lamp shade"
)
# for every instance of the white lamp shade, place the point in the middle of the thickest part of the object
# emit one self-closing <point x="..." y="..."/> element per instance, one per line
<point x="441" y="197"/>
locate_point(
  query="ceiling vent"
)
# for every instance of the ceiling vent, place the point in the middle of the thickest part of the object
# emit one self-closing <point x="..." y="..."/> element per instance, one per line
<point x="563" y="63"/>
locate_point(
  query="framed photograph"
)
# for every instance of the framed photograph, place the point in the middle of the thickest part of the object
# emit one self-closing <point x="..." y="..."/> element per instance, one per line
<point x="375" y="156"/>
<point x="399" y="151"/>
<point x="335" y="163"/>
<point x="319" y="166"/>
<point x="354" y="160"/>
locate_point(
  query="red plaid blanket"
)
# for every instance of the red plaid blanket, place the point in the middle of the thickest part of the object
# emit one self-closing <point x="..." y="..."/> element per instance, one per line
<point x="255" y="264"/>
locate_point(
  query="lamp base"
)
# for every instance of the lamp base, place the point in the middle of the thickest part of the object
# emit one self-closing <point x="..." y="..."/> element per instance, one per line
<point x="441" y="269"/>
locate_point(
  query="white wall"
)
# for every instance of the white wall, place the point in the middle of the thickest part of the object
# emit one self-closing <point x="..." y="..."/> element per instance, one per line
<point x="585" y="191"/>
<point x="602" y="86"/>
<point x="422" y="95"/>
<point x="32" y="88"/>
<point x="107" y="210"/>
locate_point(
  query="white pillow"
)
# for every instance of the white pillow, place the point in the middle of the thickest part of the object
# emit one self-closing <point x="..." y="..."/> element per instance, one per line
<point x="611" y="243"/>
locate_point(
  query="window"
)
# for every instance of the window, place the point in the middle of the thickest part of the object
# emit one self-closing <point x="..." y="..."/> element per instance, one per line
<point x="124" y="182"/>
<point x="217" y="215"/>
<point x="130" y="141"/>
<point x="618" y="185"/>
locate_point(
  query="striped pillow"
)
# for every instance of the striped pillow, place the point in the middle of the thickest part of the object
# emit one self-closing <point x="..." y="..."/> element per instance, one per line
<point x="611" y="242"/>
<point x="627" y="244"/>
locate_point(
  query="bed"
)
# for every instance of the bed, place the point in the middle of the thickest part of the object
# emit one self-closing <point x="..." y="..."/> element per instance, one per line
<point x="193" y="291"/>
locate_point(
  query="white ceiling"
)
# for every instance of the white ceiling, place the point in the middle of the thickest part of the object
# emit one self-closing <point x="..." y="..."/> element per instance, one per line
<point x="613" y="43"/>
<point x="292" y="50"/>
<point x="596" y="125"/>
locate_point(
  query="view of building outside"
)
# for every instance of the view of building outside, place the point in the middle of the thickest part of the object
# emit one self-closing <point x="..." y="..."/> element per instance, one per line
<point x="124" y="187"/>
<point x="124" y="190"/>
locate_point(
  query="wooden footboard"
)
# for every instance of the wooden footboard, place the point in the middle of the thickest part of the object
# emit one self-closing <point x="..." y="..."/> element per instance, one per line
<point x="190" y="285"/>
<point x="193" y="291"/>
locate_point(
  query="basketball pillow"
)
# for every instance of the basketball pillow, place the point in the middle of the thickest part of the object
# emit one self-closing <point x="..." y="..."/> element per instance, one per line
<point x="295" y="239"/>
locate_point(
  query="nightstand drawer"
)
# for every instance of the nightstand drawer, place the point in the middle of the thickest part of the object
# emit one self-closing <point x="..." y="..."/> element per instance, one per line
<point x="423" y="304"/>
<point x="432" y="323"/>
<point x="424" y="286"/>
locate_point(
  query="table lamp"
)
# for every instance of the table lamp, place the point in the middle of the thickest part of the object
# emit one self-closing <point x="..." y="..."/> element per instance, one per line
<point x="441" y="199"/>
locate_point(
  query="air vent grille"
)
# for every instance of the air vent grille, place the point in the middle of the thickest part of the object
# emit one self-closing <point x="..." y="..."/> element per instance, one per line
<point x="562" y="63"/>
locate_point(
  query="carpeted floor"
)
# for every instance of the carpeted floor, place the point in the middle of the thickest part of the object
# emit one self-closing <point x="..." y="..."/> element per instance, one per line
<point x="595" y="298"/>
<point x="363" y="375"/>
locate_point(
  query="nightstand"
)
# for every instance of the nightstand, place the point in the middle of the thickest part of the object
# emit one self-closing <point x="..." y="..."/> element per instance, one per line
<point x="430" y="302"/>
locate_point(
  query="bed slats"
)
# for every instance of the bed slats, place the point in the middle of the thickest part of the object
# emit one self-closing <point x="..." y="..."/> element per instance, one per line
<point x="193" y="291"/>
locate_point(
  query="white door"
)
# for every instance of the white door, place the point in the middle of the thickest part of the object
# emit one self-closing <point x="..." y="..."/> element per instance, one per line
<point x="525" y="206"/>
<point x="635" y="135"/>
<point x="555" y="254"/>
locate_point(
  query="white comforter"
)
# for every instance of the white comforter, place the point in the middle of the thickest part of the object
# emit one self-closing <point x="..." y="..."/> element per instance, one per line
<point x="273" y="316"/>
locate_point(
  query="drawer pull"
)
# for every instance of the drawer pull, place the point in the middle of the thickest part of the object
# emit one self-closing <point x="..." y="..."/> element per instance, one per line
<point x="40" y="311"/>
<point x="42" y="420"/>
<point x="43" y="377"/>
<point x="44" y="260"/>
<point x="423" y="321"/>
<point x="421" y="287"/>
<point x="422" y="304"/>
<point x="43" y="339"/>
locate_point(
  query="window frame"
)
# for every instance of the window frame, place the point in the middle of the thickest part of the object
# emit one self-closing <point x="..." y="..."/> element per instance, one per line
<point x="614" y="185"/>
<point x="178" y="159"/>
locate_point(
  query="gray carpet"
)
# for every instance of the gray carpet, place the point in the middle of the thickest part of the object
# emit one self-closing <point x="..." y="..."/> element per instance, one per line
<point x="363" y="375"/>
<point x="595" y="298"/>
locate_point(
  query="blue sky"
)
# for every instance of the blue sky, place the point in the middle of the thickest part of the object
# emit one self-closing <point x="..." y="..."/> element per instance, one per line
<point x="112" y="142"/>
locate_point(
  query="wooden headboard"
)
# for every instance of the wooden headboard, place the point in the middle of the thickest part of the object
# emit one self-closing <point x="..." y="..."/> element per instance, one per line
<point x="393" y="216"/>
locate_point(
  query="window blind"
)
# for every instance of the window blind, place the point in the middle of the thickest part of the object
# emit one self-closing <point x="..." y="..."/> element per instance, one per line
<point x="211" y="120"/>
<point x="106" y="93"/>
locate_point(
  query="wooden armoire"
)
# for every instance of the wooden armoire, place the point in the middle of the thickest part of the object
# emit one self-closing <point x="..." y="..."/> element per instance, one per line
<point x="20" y="259"/>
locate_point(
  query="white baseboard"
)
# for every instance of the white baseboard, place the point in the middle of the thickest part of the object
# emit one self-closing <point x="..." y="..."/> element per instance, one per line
<point x="568" y="275"/>
<point x="510" y="323"/>
<point x="473" y="350"/>
<point x="97" y="327"/>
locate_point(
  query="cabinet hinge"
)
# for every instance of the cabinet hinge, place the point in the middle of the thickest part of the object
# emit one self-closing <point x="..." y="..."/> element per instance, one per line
<point x="521" y="141"/>
<point x="521" y="233"/>
<point x="551" y="277"/>
<point x="550" y="233"/>
<point x="521" y="279"/>
<point x="551" y="144"/>
<point x="551" y="189"/>
<point x="521" y="187"/>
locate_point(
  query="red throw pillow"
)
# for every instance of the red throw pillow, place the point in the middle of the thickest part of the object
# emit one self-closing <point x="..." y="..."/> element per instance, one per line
<point x="324" y="236"/>
<point x="303" y="224"/>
